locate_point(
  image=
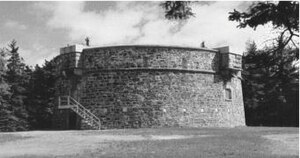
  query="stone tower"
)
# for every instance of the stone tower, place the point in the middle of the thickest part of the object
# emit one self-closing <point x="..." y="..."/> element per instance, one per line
<point x="135" y="86"/>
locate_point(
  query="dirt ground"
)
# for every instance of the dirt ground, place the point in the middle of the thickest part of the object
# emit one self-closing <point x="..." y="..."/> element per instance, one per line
<point x="244" y="142"/>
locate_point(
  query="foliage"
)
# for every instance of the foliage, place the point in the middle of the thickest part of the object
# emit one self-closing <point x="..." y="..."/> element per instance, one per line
<point x="40" y="100"/>
<point x="270" y="84"/>
<point x="13" y="90"/>
<point x="4" y="87"/>
<point x="6" y="118"/>
<point x="177" y="10"/>
<point x="270" y="87"/>
<point x="26" y="96"/>
<point x="283" y="15"/>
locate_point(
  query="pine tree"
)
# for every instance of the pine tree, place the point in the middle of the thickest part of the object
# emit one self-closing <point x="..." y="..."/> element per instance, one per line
<point x="7" y="118"/>
<point x="180" y="10"/>
<point x="270" y="86"/>
<point x="41" y="97"/>
<point x="271" y="79"/>
<point x="4" y="95"/>
<point x="17" y="78"/>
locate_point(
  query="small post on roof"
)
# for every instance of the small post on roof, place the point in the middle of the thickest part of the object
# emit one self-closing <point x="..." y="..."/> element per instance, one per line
<point x="203" y="44"/>
<point x="87" y="41"/>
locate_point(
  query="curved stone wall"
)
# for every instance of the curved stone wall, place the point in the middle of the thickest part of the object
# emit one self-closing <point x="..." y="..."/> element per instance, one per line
<point x="146" y="86"/>
<point x="125" y="57"/>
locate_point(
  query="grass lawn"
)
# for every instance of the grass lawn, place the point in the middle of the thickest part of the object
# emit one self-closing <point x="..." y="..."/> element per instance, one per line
<point x="241" y="142"/>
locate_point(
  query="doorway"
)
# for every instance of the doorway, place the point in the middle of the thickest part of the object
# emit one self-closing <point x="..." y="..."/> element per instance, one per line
<point x="72" y="120"/>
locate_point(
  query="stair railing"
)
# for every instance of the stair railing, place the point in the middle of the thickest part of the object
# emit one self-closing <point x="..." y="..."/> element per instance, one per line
<point x="67" y="102"/>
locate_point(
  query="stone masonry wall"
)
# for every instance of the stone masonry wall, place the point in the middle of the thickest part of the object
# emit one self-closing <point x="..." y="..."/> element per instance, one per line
<point x="147" y="86"/>
<point x="108" y="58"/>
<point x="144" y="99"/>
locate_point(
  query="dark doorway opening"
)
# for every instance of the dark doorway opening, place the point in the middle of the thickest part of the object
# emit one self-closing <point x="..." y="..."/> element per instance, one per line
<point x="72" y="120"/>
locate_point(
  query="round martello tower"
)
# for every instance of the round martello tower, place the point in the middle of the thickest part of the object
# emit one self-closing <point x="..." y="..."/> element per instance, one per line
<point x="134" y="86"/>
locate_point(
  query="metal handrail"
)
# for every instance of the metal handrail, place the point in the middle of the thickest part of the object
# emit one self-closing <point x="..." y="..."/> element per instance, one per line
<point x="79" y="105"/>
<point x="83" y="111"/>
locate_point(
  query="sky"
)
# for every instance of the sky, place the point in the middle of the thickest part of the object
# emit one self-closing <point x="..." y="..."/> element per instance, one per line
<point x="41" y="28"/>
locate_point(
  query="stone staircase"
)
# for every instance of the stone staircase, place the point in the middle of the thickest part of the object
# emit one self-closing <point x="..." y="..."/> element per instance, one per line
<point x="67" y="102"/>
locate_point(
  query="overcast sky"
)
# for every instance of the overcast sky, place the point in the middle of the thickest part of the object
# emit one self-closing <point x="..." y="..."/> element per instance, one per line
<point x="41" y="28"/>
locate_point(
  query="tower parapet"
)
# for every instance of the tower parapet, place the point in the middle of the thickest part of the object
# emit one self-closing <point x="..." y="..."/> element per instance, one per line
<point x="76" y="48"/>
<point x="69" y="59"/>
<point x="230" y="60"/>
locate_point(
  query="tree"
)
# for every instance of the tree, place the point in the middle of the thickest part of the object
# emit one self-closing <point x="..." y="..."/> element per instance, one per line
<point x="17" y="77"/>
<point x="283" y="15"/>
<point x="271" y="78"/>
<point x="177" y="9"/>
<point x="6" y="117"/>
<point x="4" y="87"/>
<point x="40" y="100"/>
<point x="270" y="87"/>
